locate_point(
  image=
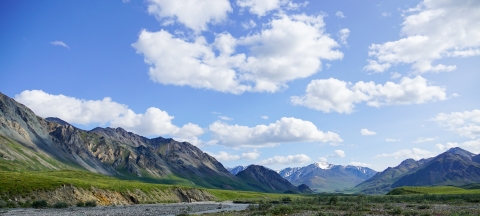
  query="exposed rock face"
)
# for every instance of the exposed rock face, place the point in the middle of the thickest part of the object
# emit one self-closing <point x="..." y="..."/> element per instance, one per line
<point x="71" y="195"/>
<point x="266" y="180"/>
<point x="110" y="151"/>
<point x="453" y="167"/>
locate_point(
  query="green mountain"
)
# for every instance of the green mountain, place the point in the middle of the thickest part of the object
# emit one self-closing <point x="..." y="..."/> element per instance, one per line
<point x="454" y="167"/>
<point x="29" y="142"/>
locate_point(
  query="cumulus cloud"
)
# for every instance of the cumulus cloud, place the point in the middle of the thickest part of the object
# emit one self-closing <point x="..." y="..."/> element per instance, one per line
<point x="433" y="30"/>
<point x="385" y="14"/>
<point x="339" y="153"/>
<point x="340" y="14"/>
<point x="465" y="123"/>
<point x="366" y="132"/>
<point x="264" y="117"/>
<point x="471" y="145"/>
<point x="59" y="43"/>
<point x="261" y="8"/>
<point x="224" y="156"/>
<point x="353" y="163"/>
<point x="194" y="14"/>
<point x="249" y="25"/>
<point x="251" y="155"/>
<point x="329" y="95"/>
<point x="414" y="153"/>
<point x="395" y="75"/>
<point x="288" y="48"/>
<point x="422" y="139"/>
<point x="286" y="160"/>
<point x="106" y="112"/>
<point x="343" y="35"/>
<point x="285" y="130"/>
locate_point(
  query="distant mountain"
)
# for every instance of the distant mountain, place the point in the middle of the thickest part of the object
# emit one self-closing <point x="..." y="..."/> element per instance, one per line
<point x="325" y="177"/>
<point x="236" y="170"/>
<point x="29" y="142"/>
<point x="267" y="180"/>
<point x="454" y="167"/>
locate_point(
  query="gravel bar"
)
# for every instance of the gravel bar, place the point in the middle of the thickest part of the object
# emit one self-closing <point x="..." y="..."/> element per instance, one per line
<point x="144" y="209"/>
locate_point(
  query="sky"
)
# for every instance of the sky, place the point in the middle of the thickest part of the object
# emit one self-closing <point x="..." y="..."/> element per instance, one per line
<point x="280" y="83"/>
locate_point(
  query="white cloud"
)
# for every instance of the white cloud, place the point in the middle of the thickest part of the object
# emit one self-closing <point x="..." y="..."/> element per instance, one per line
<point x="250" y="155"/>
<point x="353" y="163"/>
<point x="422" y="139"/>
<point x="385" y="14"/>
<point x="59" y="43"/>
<point x="339" y="153"/>
<point x="465" y="123"/>
<point x="285" y="130"/>
<point x="340" y="14"/>
<point x="249" y="25"/>
<point x="287" y="48"/>
<point x="286" y="160"/>
<point x="392" y="140"/>
<point x="225" y="118"/>
<point x="343" y="35"/>
<point x="105" y="112"/>
<point x="259" y="8"/>
<point x="329" y="95"/>
<point x="445" y="147"/>
<point x="194" y="14"/>
<point x="414" y="153"/>
<point x="224" y="156"/>
<point x="395" y="75"/>
<point x="366" y="132"/>
<point x="264" y="117"/>
<point x="322" y="159"/>
<point x="433" y="30"/>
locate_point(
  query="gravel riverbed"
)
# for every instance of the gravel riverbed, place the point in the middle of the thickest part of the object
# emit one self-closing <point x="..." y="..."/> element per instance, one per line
<point x="121" y="210"/>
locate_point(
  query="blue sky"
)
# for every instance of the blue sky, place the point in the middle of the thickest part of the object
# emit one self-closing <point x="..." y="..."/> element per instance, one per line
<point x="279" y="83"/>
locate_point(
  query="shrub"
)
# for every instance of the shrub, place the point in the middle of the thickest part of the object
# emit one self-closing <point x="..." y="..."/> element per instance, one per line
<point x="39" y="204"/>
<point x="333" y="200"/>
<point x="80" y="204"/>
<point x="3" y="204"/>
<point x="282" y="209"/>
<point x="61" y="205"/>
<point x="423" y="207"/>
<point x="92" y="203"/>
<point x="396" y="211"/>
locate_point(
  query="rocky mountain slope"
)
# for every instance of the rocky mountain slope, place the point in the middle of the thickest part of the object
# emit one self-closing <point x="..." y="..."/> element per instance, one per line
<point x="454" y="167"/>
<point x="267" y="180"/>
<point x="29" y="142"/>
<point x="324" y="177"/>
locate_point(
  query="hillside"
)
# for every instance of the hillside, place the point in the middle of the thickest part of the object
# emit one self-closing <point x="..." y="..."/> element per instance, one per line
<point x="267" y="180"/>
<point x="30" y="142"/>
<point x="454" y="167"/>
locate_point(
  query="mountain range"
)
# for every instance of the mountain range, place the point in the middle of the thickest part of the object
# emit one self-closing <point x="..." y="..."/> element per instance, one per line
<point x="455" y="167"/>
<point x="32" y="143"/>
<point x="322" y="177"/>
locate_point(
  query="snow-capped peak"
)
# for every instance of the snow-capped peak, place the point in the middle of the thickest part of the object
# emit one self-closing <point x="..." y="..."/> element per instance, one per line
<point x="323" y="165"/>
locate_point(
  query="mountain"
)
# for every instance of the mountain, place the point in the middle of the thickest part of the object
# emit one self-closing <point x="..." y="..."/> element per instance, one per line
<point x="29" y="142"/>
<point x="236" y="170"/>
<point x="454" y="167"/>
<point x="325" y="177"/>
<point x="267" y="180"/>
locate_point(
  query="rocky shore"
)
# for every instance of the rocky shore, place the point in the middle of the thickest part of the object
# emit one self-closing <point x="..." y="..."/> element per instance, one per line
<point x="124" y="210"/>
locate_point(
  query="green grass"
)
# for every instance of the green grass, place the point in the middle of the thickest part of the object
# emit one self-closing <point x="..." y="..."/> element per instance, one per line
<point x="23" y="183"/>
<point x="433" y="190"/>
